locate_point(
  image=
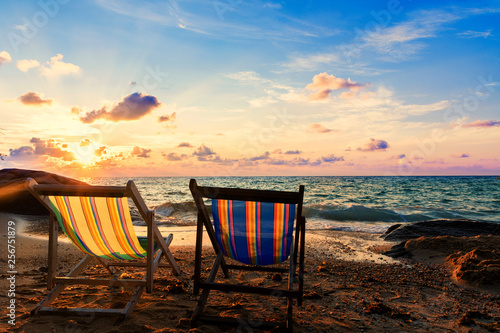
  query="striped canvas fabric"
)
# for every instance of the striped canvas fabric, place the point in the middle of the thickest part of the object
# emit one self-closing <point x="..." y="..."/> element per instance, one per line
<point x="101" y="227"/>
<point x="254" y="233"/>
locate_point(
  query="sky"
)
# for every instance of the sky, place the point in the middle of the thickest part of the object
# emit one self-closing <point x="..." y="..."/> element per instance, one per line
<point x="118" y="88"/>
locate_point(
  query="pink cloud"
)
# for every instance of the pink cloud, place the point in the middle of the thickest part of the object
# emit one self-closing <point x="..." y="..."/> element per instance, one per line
<point x="324" y="84"/>
<point x="374" y="145"/>
<point x="319" y="128"/>
<point x="483" y="123"/>
<point x="204" y="153"/>
<point x="167" y="117"/>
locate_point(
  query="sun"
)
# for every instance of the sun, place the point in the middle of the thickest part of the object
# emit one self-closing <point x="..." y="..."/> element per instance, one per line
<point x="85" y="154"/>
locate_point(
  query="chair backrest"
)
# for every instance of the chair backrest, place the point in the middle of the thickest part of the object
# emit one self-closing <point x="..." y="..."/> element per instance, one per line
<point x="95" y="218"/>
<point x="254" y="227"/>
<point x="256" y="233"/>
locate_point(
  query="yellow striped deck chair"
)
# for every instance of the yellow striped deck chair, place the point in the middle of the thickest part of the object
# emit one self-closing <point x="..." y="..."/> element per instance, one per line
<point x="250" y="230"/>
<point x="96" y="219"/>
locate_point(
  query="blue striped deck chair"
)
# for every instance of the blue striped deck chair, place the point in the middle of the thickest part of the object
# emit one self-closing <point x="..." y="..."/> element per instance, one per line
<point x="254" y="230"/>
<point x="97" y="221"/>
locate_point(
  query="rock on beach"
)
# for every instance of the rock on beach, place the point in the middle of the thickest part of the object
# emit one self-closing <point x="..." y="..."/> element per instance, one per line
<point x="16" y="199"/>
<point x="470" y="249"/>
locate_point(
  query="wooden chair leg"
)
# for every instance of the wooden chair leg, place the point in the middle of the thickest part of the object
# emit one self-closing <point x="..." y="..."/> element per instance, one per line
<point x="60" y="287"/>
<point x="204" y="295"/>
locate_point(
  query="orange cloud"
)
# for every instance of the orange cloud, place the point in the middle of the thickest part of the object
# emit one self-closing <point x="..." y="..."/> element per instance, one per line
<point x="49" y="148"/>
<point x="141" y="152"/>
<point x="320" y="95"/>
<point x="319" y="128"/>
<point x="33" y="98"/>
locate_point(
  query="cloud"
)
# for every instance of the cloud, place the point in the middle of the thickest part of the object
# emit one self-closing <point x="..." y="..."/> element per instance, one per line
<point x="483" y="123"/>
<point x="262" y="101"/>
<point x="247" y="77"/>
<point x="332" y="158"/>
<point x="463" y="155"/>
<point x="131" y="107"/>
<point x="132" y="83"/>
<point x="391" y="42"/>
<point x="51" y="148"/>
<point x="5" y="58"/>
<point x="33" y="98"/>
<point x="102" y="150"/>
<point x="76" y="110"/>
<point x="184" y="145"/>
<point x="223" y="161"/>
<point x="311" y="62"/>
<point x="292" y="152"/>
<point x="319" y="96"/>
<point x="264" y="156"/>
<point x="24" y="151"/>
<point x="397" y="42"/>
<point x="276" y="162"/>
<point x="141" y="152"/>
<point x="233" y="19"/>
<point x="318" y="128"/>
<point x="167" y="117"/>
<point x="324" y="83"/>
<point x="475" y="34"/>
<point x="397" y="157"/>
<point x="173" y="157"/>
<point x="203" y="153"/>
<point x="56" y="67"/>
<point x="300" y="161"/>
<point x="272" y="5"/>
<point x="27" y="64"/>
<point x="85" y="142"/>
<point x="48" y="147"/>
<point x="374" y="145"/>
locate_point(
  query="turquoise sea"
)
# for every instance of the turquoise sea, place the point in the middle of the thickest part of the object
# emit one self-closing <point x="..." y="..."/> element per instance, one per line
<point x="368" y="204"/>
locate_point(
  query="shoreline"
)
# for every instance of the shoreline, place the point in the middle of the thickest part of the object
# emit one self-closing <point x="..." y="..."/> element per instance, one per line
<point x="348" y="288"/>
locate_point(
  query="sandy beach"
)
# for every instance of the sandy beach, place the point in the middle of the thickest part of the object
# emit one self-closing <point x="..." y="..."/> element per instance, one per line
<point x="349" y="287"/>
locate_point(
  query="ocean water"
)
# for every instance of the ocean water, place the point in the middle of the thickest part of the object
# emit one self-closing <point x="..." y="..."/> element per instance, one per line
<point x="367" y="204"/>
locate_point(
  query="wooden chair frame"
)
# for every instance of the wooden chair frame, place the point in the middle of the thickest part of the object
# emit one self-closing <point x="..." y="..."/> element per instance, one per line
<point x="296" y="259"/>
<point x="57" y="283"/>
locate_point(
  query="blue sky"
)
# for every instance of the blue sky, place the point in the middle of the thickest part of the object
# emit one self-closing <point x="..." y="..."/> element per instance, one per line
<point x="139" y="88"/>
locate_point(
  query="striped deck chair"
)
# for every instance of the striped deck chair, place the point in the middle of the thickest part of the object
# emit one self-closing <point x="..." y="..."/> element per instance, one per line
<point x="96" y="219"/>
<point x="253" y="230"/>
